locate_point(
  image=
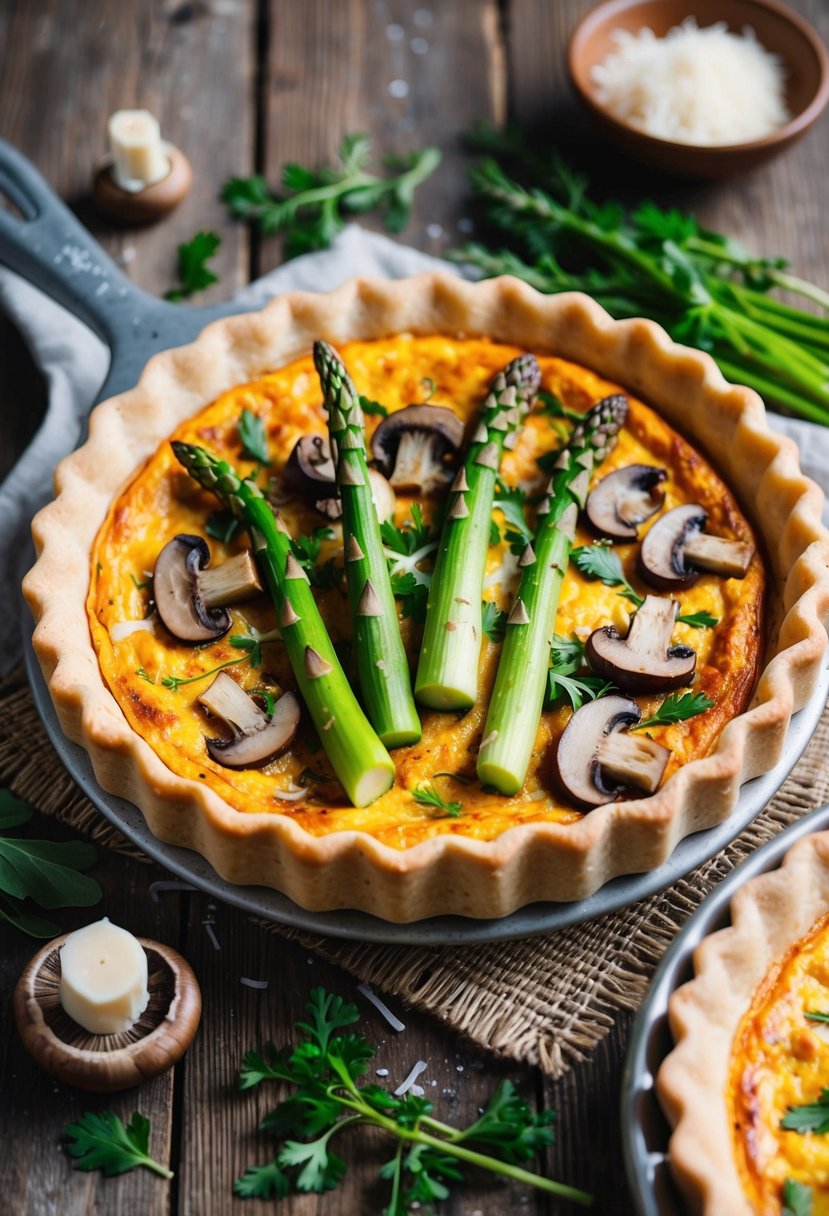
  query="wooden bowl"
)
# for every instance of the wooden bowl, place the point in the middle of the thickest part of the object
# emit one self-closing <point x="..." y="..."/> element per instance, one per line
<point x="778" y="29"/>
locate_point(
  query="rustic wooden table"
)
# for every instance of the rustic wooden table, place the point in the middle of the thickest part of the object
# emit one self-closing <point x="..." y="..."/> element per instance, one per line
<point x="244" y="85"/>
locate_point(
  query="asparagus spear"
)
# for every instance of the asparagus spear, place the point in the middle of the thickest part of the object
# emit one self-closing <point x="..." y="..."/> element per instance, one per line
<point x="447" y="674"/>
<point x="358" y="757"/>
<point x="382" y="665"/>
<point x="515" y="706"/>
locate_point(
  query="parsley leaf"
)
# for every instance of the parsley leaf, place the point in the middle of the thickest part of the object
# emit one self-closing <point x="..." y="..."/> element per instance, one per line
<point x="253" y="437"/>
<point x="698" y="620"/>
<point x="321" y="1169"/>
<point x="600" y="563"/>
<point x="306" y="550"/>
<point x="100" y="1141"/>
<point x="426" y="795"/>
<point x="193" y="272"/>
<point x="412" y="537"/>
<point x="811" y="1117"/>
<point x="263" y="1182"/>
<point x="553" y="407"/>
<point x="414" y="595"/>
<point x="314" y="204"/>
<point x="509" y="500"/>
<point x="372" y="407"/>
<point x="566" y="657"/>
<point x="797" y="1198"/>
<point x="494" y="621"/>
<point x="49" y="873"/>
<point x="138" y="585"/>
<point x="678" y="707"/>
<point x="222" y="525"/>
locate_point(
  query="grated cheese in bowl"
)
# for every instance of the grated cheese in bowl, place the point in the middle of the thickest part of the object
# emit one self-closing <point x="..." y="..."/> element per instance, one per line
<point x="694" y="86"/>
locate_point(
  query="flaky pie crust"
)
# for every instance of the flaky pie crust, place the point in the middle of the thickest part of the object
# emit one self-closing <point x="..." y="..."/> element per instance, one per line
<point x="449" y="874"/>
<point x="768" y="915"/>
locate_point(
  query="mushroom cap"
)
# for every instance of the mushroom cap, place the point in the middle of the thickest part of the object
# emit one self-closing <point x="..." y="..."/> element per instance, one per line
<point x="644" y="661"/>
<point x="661" y="557"/>
<point x="623" y="499"/>
<point x="147" y="205"/>
<point x="176" y="591"/>
<point x="411" y="446"/>
<point x="104" y="1063"/>
<point x="576" y="766"/>
<point x="309" y="470"/>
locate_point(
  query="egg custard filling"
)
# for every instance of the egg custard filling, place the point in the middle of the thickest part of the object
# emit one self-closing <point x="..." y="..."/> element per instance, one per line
<point x="778" y="1090"/>
<point x="157" y="679"/>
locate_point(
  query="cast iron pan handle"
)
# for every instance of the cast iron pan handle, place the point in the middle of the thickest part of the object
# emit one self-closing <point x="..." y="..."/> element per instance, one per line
<point x="49" y="247"/>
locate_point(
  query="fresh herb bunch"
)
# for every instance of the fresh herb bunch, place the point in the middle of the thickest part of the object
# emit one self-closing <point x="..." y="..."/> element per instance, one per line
<point x="100" y="1141"/>
<point x="48" y="873"/>
<point x="315" y="203"/>
<point x="704" y="288"/>
<point x="193" y="272"/>
<point x="324" y="1067"/>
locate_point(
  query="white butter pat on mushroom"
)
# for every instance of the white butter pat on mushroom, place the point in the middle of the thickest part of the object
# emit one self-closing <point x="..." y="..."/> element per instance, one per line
<point x="103" y="982"/>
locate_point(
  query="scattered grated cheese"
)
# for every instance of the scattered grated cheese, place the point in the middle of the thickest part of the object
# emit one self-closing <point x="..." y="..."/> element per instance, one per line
<point x="263" y="984"/>
<point x="294" y="794"/>
<point x="694" y="86"/>
<point x="123" y="629"/>
<point x="409" y="1083"/>
<point x="382" y="1009"/>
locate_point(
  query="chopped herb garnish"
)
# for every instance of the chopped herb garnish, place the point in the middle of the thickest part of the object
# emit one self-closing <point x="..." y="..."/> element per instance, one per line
<point x="316" y="203"/>
<point x="797" y="1198"/>
<point x="811" y="1117"/>
<point x="175" y="683"/>
<point x="98" y="570"/>
<point x="412" y="594"/>
<point x="253" y="437"/>
<point x="425" y="794"/>
<point x="324" y="1068"/>
<point x="600" y="563"/>
<point x="566" y="657"/>
<point x="140" y="671"/>
<point x="308" y="776"/>
<point x="372" y="407"/>
<point x="193" y="271"/>
<point x="252" y="643"/>
<point x="553" y="407"/>
<point x="494" y="533"/>
<point x="222" y="525"/>
<point x="815" y="1015"/>
<point x="306" y="550"/>
<point x="100" y="1141"/>
<point x="494" y="621"/>
<point x="139" y="586"/>
<point x="268" y="696"/>
<point x="429" y="388"/>
<point x="678" y="707"/>
<point x="461" y="778"/>
<point x="412" y="537"/>
<point x="509" y="500"/>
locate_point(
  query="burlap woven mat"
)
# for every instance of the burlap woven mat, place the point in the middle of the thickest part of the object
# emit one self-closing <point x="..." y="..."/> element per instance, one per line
<point x="545" y="1000"/>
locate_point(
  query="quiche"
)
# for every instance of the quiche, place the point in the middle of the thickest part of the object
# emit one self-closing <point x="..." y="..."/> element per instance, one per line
<point x="747" y="1083"/>
<point x="429" y="838"/>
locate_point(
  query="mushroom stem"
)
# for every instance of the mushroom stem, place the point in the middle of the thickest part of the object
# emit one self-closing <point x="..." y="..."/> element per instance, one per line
<point x="644" y="661"/>
<point x="633" y="760"/>
<point x="231" y="583"/>
<point x="228" y="700"/>
<point x="718" y="555"/>
<point x="521" y="680"/>
<point x="447" y="673"/>
<point x="388" y="693"/>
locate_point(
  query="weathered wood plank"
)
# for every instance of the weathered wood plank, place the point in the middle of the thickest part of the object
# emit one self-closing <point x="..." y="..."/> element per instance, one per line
<point x="409" y="76"/>
<point x="37" y="1177"/>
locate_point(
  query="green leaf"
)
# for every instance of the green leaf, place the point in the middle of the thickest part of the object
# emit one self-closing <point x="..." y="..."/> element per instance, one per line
<point x="13" y="811"/>
<point x="816" y="1015"/>
<point x="263" y="1182"/>
<point x="698" y="620"/>
<point x="99" y="1141"/>
<point x="811" y="1117"/>
<point x="36" y="926"/>
<point x="413" y="594"/>
<point x="797" y="1199"/>
<point x="144" y="675"/>
<point x="509" y="500"/>
<point x="678" y="707"/>
<point x="267" y="1065"/>
<point x="48" y="872"/>
<point x="494" y="621"/>
<point x="411" y="537"/>
<point x="372" y="407"/>
<point x="193" y="271"/>
<point x="508" y="1124"/>
<point x="327" y="1013"/>
<point x="599" y="563"/>
<point x="222" y="525"/>
<point x="321" y="1169"/>
<point x="553" y="407"/>
<point x="425" y="794"/>
<point x="253" y="436"/>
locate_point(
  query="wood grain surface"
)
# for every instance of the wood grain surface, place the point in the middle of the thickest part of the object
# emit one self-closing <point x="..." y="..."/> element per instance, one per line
<point x="243" y="85"/>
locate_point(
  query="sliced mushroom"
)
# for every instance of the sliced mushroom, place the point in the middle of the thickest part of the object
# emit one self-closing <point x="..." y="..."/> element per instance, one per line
<point x="257" y="736"/>
<point x="644" y="661"/>
<point x="677" y="549"/>
<point x="596" y="760"/>
<point x="310" y="475"/>
<point x="416" y="447"/>
<point x="190" y="598"/>
<point x="623" y="499"/>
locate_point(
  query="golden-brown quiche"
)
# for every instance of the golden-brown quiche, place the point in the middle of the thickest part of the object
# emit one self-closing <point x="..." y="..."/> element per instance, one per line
<point x="134" y="694"/>
<point x="747" y="1085"/>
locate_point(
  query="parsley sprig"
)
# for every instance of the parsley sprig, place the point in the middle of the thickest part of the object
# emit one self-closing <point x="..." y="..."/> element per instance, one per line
<point x="811" y="1117"/>
<point x="176" y="682"/>
<point x="324" y="1068"/>
<point x="253" y="641"/>
<point x="48" y="873"/>
<point x="253" y="437"/>
<point x="797" y="1198"/>
<point x="405" y="548"/>
<point x="193" y="272"/>
<point x="315" y="203"/>
<point x="602" y="564"/>
<point x="100" y="1141"/>
<point x="306" y="550"/>
<point x="678" y="707"/>
<point x="563" y="680"/>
